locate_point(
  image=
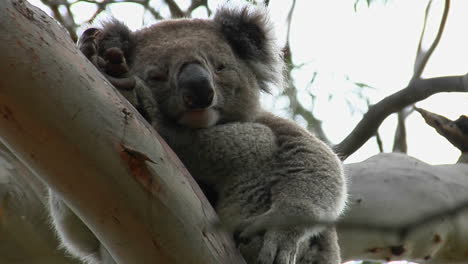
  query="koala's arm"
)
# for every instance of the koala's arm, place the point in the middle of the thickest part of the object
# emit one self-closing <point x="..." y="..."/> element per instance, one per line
<point x="312" y="187"/>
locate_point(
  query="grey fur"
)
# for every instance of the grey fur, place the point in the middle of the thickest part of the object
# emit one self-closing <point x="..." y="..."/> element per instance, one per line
<point x="267" y="172"/>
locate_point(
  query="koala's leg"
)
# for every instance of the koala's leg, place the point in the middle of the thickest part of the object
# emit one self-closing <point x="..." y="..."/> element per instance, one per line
<point x="111" y="62"/>
<point x="74" y="235"/>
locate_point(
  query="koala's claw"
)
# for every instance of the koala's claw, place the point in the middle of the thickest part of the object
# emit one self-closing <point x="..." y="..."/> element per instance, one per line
<point x="112" y="63"/>
<point x="87" y="43"/>
<point x="278" y="248"/>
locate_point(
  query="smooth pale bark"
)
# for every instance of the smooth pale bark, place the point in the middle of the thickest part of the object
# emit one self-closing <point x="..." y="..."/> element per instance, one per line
<point x="62" y="119"/>
<point x="401" y="208"/>
<point x="25" y="234"/>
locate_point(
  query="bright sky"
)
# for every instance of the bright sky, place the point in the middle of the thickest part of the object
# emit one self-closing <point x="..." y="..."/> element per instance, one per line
<point x="374" y="45"/>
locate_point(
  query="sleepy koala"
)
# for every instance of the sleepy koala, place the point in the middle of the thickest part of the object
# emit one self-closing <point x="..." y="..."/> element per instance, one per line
<point x="197" y="81"/>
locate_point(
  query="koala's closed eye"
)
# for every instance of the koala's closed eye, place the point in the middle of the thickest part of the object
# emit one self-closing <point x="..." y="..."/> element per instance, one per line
<point x="156" y="74"/>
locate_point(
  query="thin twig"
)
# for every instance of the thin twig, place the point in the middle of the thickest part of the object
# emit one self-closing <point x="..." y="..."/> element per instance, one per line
<point x="422" y="57"/>
<point x="399" y="141"/>
<point x="195" y="4"/>
<point x="175" y="10"/>
<point x="290" y="91"/>
<point x="379" y="141"/>
<point x="420" y="62"/>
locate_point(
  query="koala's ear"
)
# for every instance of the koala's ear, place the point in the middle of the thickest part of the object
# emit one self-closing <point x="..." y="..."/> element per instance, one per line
<point x="250" y="34"/>
<point x="115" y="34"/>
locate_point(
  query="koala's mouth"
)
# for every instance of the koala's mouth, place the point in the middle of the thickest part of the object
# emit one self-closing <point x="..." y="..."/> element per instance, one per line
<point x="199" y="118"/>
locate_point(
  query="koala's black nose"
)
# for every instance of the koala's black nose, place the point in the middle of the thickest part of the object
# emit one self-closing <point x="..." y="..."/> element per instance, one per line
<point x="196" y="87"/>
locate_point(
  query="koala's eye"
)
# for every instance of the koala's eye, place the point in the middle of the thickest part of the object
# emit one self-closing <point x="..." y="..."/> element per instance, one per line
<point x="221" y="67"/>
<point x="156" y="75"/>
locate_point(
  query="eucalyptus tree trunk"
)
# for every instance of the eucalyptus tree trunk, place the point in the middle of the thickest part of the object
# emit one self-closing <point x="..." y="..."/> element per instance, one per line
<point x="73" y="130"/>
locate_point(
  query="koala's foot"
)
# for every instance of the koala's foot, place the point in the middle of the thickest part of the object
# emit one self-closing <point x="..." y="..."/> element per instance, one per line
<point x="111" y="62"/>
<point x="279" y="247"/>
<point x="274" y="247"/>
<point x="283" y="231"/>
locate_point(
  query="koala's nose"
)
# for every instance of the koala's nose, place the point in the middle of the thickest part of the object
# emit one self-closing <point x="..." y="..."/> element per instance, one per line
<point x="196" y="87"/>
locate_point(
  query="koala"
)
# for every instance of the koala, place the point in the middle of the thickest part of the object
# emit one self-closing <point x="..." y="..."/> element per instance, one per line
<point x="274" y="185"/>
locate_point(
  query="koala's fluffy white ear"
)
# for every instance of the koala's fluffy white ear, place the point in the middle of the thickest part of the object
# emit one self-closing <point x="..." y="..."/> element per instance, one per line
<point x="250" y="34"/>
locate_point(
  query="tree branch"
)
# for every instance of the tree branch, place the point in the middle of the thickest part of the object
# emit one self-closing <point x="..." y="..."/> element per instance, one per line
<point x="175" y="10"/>
<point x="456" y="132"/>
<point x="313" y="124"/>
<point x="403" y="209"/>
<point x="62" y="119"/>
<point x="399" y="141"/>
<point x="417" y="91"/>
<point x="422" y="57"/>
<point x="195" y="4"/>
<point x="67" y="22"/>
<point x="420" y="62"/>
<point x="24" y="225"/>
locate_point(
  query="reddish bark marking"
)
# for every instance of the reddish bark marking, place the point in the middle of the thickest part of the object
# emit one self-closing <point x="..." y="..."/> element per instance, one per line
<point x="136" y="162"/>
<point x="373" y="250"/>
<point x="6" y="113"/>
<point x="397" y="250"/>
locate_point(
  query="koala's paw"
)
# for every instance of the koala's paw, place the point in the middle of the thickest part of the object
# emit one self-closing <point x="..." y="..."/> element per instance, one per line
<point x="87" y="43"/>
<point x="279" y="247"/>
<point x="274" y="247"/>
<point x="111" y="62"/>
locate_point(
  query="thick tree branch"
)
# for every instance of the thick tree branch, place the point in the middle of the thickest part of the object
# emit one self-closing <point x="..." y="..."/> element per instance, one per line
<point x="26" y="236"/>
<point x="61" y="118"/>
<point x="404" y="209"/>
<point x="417" y="91"/>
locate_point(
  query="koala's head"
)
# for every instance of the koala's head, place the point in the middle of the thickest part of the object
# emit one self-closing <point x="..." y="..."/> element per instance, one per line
<point x="203" y="72"/>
